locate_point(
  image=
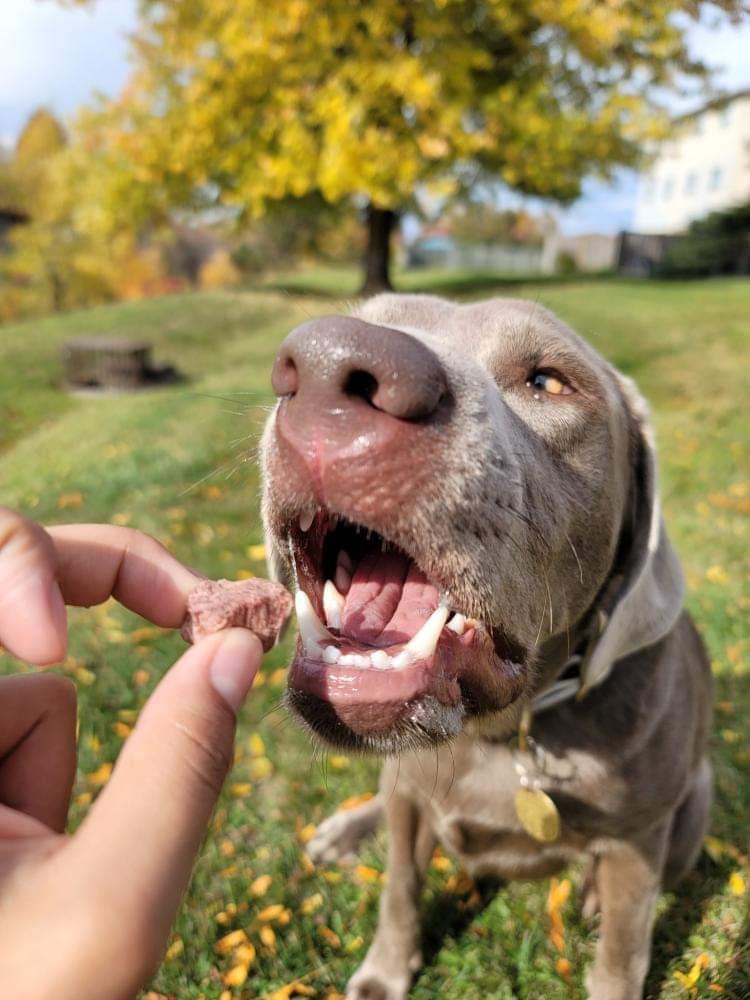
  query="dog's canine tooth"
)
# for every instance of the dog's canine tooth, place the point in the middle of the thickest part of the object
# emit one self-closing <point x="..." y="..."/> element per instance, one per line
<point x="306" y="520"/>
<point x="313" y="633"/>
<point x="457" y="623"/>
<point x="333" y="604"/>
<point x="422" y="645"/>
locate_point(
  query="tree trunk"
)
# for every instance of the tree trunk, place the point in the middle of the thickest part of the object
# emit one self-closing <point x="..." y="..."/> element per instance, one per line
<point x="377" y="263"/>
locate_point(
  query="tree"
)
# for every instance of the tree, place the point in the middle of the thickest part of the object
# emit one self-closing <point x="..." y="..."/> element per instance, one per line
<point x="251" y="102"/>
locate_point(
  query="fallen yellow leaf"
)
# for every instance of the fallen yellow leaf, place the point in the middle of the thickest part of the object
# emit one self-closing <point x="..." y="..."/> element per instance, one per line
<point x="690" y="978"/>
<point x="268" y="938"/>
<point x="297" y="988"/>
<point x="255" y="745"/>
<point x="440" y="863"/>
<point x="272" y="912"/>
<point x="227" y="848"/>
<point x="142" y="634"/>
<point x="101" y="775"/>
<point x="260" y="768"/>
<point x="338" y="761"/>
<point x="176" y="948"/>
<point x="121" y="729"/>
<point x="353" y="801"/>
<point x="213" y="492"/>
<point x="256" y="552"/>
<point x="717" y="574"/>
<point x="240" y="789"/>
<point x="69" y="501"/>
<point x="311" y="904"/>
<point x="330" y="937"/>
<point x="737" y="884"/>
<point x="245" y="954"/>
<point x="307" y="833"/>
<point x="261" y="885"/>
<point x="367" y="874"/>
<point x="230" y="941"/>
<point x="563" y="968"/>
<point x="236" y="975"/>
<point x="141" y="677"/>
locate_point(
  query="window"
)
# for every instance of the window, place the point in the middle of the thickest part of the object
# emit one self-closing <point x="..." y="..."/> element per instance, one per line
<point x="691" y="183"/>
<point x="667" y="189"/>
<point x="715" y="179"/>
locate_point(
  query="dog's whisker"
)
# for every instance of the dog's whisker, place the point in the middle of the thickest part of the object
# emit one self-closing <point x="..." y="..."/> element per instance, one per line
<point x="575" y="553"/>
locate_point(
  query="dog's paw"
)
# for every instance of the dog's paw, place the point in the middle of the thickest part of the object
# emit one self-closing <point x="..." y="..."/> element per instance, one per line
<point x="335" y="841"/>
<point x="370" y="984"/>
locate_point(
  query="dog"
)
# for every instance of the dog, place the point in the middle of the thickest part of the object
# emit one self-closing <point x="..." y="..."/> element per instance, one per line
<point x="465" y="497"/>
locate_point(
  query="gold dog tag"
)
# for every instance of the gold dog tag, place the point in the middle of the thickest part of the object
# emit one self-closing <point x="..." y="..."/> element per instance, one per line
<point x="537" y="814"/>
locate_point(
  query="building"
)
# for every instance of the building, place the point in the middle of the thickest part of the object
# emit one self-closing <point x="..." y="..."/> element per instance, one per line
<point x="704" y="168"/>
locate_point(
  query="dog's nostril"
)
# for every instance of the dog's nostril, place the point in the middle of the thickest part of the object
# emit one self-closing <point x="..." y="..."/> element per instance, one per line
<point x="284" y="378"/>
<point x="361" y="384"/>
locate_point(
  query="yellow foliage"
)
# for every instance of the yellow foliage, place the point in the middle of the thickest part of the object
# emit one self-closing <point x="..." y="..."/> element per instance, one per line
<point x="371" y="103"/>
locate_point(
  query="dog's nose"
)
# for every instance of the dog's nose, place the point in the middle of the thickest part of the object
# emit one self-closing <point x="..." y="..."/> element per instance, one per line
<point x="340" y="362"/>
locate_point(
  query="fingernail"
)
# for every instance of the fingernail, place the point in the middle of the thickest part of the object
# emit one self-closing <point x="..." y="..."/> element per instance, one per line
<point x="234" y="666"/>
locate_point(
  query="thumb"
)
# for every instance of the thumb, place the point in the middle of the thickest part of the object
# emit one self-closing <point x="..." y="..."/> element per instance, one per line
<point x="150" y="819"/>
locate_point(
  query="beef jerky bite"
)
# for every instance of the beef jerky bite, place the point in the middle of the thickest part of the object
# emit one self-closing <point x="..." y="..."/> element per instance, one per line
<point x="262" y="606"/>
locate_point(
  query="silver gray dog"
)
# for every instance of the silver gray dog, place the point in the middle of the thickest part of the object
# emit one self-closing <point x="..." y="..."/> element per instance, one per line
<point x="466" y="499"/>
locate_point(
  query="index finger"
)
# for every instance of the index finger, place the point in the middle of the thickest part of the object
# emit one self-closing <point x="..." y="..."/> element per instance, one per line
<point x="98" y="561"/>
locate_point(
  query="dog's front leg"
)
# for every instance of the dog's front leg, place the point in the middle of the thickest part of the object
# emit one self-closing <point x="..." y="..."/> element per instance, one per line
<point x="628" y="881"/>
<point x="394" y="954"/>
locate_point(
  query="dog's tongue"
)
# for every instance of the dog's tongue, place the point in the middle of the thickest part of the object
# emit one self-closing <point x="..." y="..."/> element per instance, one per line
<point x="388" y="601"/>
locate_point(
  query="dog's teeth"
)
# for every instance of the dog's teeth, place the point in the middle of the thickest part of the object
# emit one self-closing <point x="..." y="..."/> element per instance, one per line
<point x="344" y="570"/>
<point x="313" y="633"/>
<point x="457" y="624"/>
<point x="333" y="604"/>
<point x="306" y="520"/>
<point x="422" y="645"/>
<point x="381" y="660"/>
<point x="331" y="654"/>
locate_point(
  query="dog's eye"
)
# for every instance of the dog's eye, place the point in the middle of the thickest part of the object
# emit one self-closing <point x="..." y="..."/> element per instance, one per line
<point x="549" y="382"/>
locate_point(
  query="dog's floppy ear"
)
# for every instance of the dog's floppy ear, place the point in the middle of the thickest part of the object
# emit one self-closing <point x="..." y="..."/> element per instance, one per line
<point x="644" y="596"/>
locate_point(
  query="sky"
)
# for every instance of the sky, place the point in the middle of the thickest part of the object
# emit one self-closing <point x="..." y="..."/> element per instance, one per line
<point x="59" y="58"/>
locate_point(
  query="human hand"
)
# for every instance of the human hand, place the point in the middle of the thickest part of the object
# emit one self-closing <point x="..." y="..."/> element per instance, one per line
<point x="88" y="916"/>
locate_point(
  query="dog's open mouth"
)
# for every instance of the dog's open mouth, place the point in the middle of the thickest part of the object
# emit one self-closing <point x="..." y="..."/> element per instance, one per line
<point x="381" y="646"/>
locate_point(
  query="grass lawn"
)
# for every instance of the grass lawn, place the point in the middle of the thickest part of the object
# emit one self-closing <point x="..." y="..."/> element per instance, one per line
<point x="179" y="463"/>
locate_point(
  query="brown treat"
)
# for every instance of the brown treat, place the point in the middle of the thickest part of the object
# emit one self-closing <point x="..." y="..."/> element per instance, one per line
<point x="262" y="606"/>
